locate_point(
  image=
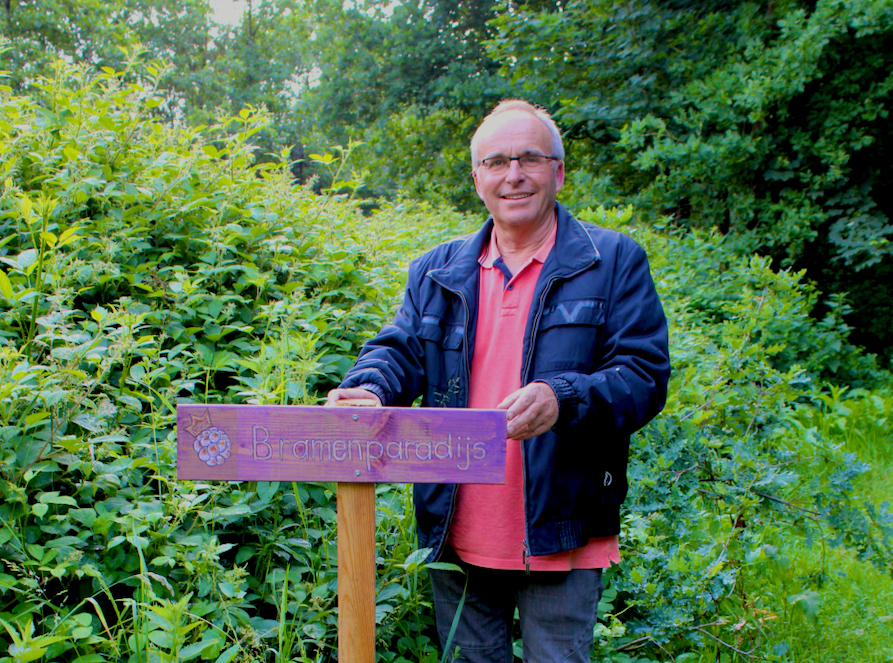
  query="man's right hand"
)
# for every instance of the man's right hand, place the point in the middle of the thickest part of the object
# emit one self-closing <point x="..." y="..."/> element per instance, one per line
<point x="351" y="394"/>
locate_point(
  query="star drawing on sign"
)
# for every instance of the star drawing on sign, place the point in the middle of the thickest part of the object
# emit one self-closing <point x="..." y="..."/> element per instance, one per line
<point x="198" y="423"/>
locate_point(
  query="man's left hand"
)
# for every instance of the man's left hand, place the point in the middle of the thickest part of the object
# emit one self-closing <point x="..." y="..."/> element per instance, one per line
<point x="532" y="410"/>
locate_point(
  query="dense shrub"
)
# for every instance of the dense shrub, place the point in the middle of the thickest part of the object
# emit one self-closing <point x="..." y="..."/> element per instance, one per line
<point x="738" y="468"/>
<point x="144" y="265"/>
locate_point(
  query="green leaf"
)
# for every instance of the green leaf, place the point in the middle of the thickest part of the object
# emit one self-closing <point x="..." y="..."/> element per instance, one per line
<point x="444" y="566"/>
<point x="27" y="258"/>
<point x="415" y="558"/>
<point x="36" y="418"/>
<point x="5" y="285"/>
<point x="228" y="655"/>
<point x="809" y="600"/>
<point x="326" y="158"/>
<point x="195" y="649"/>
<point x="162" y="639"/>
<point x="7" y="581"/>
<point x="36" y="551"/>
<point x="88" y="422"/>
<point x="68" y="236"/>
<point x="25" y="206"/>
<point x="55" y="498"/>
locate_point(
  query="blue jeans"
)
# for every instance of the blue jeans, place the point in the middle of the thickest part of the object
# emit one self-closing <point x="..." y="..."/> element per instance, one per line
<point x="557" y="610"/>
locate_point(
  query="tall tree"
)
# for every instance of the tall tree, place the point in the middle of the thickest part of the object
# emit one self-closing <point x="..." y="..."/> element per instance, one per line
<point x="410" y="80"/>
<point x="375" y="59"/>
<point x="263" y="60"/>
<point x="78" y="31"/>
<point x="767" y="120"/>
<point x="266" y="59"/>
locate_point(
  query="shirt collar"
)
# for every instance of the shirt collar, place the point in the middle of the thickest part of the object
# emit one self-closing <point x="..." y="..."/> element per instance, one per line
<point x="491" y="251"/>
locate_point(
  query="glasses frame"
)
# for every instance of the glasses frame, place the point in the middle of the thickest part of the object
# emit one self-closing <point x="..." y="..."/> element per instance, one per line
<point x="490" y="169"/>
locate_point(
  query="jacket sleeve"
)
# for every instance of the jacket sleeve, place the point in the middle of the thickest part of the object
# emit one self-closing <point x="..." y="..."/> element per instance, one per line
<point x="391" y="364"/>
<point x="629" y="386"/>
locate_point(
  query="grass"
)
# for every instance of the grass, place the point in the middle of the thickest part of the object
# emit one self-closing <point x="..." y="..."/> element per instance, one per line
<point x="854" y="621"/>
<point x="854" y="617"/>
<point x="825" y="603"/>
<point x="867" y="431"/>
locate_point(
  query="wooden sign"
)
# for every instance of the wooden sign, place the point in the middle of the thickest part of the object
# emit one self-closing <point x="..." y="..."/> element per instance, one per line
<point x="312" y="443"/>
<point x="355" y="446"/>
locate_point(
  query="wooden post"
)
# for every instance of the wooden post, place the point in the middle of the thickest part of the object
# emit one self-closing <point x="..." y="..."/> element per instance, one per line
<point x="354" y="447"/>
<point x="356" y="566"/>
<point x="356" y="572"/>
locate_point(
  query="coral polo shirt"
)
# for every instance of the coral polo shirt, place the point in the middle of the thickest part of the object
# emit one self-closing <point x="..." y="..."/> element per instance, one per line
<point x="488" y="525"/>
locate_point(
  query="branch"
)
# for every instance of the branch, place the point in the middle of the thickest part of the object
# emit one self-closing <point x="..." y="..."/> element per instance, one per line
<point x="746" y="654"/>
<point x="786" y="503"/>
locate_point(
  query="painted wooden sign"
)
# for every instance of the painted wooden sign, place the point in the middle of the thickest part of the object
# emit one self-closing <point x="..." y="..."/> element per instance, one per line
<point x="312" y="443"/>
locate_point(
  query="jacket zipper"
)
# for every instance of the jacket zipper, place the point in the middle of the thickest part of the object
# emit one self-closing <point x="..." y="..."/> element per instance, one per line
<point x="525" y="374"/>
<point x="461" y="296"/>
<point x="452" y="509"/>
<point x="536" y="324"/>
<point x="525" y="555"/>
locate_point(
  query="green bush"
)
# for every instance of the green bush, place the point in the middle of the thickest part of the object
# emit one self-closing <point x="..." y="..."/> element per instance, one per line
<point x="145" y="265"/>
<point x="737" y="471"/>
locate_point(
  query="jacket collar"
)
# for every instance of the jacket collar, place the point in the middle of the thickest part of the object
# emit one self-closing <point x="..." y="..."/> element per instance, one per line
<point x="574" y="251"/>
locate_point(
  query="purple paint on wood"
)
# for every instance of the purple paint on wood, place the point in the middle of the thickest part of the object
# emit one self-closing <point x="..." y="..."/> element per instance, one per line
<point x="312" y="443"/>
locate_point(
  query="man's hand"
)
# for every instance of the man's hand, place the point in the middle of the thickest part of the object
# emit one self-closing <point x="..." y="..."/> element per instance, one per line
<point x="532" y="410"/>
<point x="350" y="394"/>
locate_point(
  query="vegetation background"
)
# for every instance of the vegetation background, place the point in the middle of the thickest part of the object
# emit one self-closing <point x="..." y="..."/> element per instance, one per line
<point x="197" y="212"/>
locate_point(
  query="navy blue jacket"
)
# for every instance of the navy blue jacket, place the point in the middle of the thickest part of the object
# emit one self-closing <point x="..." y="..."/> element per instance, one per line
<point x="596" y="334"/>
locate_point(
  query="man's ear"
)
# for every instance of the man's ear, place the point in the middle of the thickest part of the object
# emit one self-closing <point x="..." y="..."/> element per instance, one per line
<point x="474" y="176"/>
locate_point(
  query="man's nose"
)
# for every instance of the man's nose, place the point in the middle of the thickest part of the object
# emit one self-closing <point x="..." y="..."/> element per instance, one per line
<point x="515" y="172"/>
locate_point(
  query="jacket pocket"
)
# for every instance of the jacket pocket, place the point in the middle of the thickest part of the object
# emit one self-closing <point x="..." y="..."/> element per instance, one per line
<point x="435" y="330"/>
<point x="443" y="349"/>
<point x="574" y="312"/>
<point x="570" y="336"/>
<point x="431" y="329"/>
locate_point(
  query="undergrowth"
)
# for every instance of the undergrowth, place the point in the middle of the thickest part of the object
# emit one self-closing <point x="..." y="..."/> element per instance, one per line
<point x="144" y="265"/>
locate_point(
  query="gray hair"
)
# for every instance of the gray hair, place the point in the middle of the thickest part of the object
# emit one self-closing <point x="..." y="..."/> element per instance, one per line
<point x="526" y="107"/>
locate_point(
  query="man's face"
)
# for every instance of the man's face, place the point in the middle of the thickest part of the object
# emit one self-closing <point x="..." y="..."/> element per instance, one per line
<point x="515" y="197"/>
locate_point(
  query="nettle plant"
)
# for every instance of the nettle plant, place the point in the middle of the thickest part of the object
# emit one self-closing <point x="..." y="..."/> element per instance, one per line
<point x="144" y="265"/>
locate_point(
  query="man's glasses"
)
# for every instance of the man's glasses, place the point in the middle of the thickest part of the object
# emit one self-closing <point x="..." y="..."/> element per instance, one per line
<point x="530" y="163"/>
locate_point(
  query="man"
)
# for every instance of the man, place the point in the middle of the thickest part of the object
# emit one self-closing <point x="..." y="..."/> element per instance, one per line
<point x="558" y="323"/>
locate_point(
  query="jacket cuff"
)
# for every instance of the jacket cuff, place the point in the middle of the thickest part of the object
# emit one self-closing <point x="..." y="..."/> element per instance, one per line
<point x="567" y="402"/>
<point x="375" y="389"/>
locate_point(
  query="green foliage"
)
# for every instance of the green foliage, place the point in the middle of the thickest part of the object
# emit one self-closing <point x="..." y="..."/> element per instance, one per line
<point x="741" y="468"/>
<point x="101" y="33"/>
<point x="264" y="61"/>
<point x="142" y="265"/>
<point x="767" y="121"/>
<point x="375" y="59"/>
<point x="418" y="153"/>
<point x="412" y="81"/>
